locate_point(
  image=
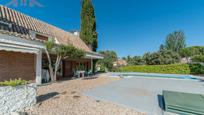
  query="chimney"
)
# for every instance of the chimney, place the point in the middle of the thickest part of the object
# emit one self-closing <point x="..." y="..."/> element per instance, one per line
<point x="76" y="33"/>
<point x="90" y="47"/>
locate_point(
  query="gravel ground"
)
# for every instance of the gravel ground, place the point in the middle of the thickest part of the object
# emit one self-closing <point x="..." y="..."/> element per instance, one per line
<point x="65" y="98"/>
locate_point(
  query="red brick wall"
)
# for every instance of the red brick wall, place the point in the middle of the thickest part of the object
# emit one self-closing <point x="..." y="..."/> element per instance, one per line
<point x="17" y="65"/>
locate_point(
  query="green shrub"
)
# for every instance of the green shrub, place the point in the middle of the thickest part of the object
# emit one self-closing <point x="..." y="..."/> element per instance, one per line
<point x="196" y="69"/>
<point x="102" y="68"/>
<point x="13" y="82"/>
<point x="166" y="69"/>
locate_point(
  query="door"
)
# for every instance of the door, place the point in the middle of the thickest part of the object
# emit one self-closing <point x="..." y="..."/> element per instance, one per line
<point x="68" y="69"/>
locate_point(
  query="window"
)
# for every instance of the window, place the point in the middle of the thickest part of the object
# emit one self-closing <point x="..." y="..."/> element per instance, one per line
<point x="41" y="37"/>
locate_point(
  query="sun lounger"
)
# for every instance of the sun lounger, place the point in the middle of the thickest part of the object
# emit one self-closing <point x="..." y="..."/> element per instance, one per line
<point x="184" y="103"/>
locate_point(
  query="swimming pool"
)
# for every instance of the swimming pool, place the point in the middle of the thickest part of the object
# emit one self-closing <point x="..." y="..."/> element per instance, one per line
<point x="151" y="75"/>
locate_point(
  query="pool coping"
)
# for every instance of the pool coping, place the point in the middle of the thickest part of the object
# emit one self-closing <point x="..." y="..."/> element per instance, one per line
<point x="142" y="73"/>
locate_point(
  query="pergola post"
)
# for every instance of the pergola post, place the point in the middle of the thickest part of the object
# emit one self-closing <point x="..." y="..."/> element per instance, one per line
<point x="91" y="65"/>
<point x="39" y="67"/>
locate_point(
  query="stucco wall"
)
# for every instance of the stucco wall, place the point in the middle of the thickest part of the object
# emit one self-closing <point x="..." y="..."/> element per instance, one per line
<point x="16" y="98"/>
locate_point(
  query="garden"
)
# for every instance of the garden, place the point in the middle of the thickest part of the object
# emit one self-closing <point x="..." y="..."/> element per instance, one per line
<point x="173" y="57"/>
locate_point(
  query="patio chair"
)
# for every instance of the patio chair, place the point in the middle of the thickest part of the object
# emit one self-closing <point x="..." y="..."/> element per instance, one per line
<point x="88" y="73"/>
<point x="76" y="74"/>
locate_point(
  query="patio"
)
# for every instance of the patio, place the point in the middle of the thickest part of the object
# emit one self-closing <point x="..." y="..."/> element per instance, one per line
<point x="66" y="98"/>
<point x="143" y="94"/>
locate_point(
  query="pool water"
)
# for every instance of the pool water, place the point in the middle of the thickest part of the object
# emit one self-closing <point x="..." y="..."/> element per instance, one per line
<point x="129" y="75"/>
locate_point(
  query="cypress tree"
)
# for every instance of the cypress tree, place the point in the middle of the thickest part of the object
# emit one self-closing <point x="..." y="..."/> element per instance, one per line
<point x="88" y="24"/>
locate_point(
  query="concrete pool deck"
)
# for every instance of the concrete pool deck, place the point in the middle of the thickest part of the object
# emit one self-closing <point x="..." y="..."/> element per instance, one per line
<point x="143" y="94"/>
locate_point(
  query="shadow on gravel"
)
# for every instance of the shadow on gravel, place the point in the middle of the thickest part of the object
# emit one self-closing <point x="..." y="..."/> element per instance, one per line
<point x="47" y="96"/>
<point x="88" y="78"/>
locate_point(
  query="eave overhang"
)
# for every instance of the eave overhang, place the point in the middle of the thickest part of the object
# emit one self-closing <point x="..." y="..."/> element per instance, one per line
<point x="93" y="55"/>
<point x="17" y="44"/>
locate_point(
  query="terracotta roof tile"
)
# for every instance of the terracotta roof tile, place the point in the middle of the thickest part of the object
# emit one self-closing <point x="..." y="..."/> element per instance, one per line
<point x="22" y="24"/>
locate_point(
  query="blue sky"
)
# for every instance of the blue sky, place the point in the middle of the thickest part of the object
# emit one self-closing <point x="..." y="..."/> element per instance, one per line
<point x="129" y="27"/>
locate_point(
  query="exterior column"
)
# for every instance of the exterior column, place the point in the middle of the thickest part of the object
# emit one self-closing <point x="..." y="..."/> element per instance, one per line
<point x="92" y="65"/>
<point x="39" y="67"/>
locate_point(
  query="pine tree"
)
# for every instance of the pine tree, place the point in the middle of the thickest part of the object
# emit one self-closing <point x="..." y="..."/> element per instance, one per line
<point x="88" y="24"/>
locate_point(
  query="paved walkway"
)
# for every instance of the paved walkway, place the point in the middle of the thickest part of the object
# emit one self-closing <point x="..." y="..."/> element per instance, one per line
<point x="143" y="94"/>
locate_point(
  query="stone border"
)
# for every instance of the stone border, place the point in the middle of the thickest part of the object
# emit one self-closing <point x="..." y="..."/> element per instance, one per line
<point x="13" y="99"/>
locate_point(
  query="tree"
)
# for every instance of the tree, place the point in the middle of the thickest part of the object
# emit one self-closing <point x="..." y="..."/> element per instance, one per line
<point x="109" y="58"/>
<point x="192" y="51"/>
<point x="186" y="53"/>
<point x="198" y="58"/>
<point x="88" y="24"/>
<point x="62" y="52"/>
<point x="175" y="41"/>
<point x="161" y="57"/>
<point x="169" y="57"/>
<point x="128" y="59"/>
<point x="136" y="60"/>
<point x="162" y="47"/>
<point x="147" y="58"/>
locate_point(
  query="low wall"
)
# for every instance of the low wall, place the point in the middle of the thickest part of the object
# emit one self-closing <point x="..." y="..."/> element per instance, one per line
<point x="14" y="99"/>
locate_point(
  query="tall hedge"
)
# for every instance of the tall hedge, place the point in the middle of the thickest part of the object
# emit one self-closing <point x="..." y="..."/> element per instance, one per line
<point x="196" y="68"/>
<point x="166" y="69"/>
